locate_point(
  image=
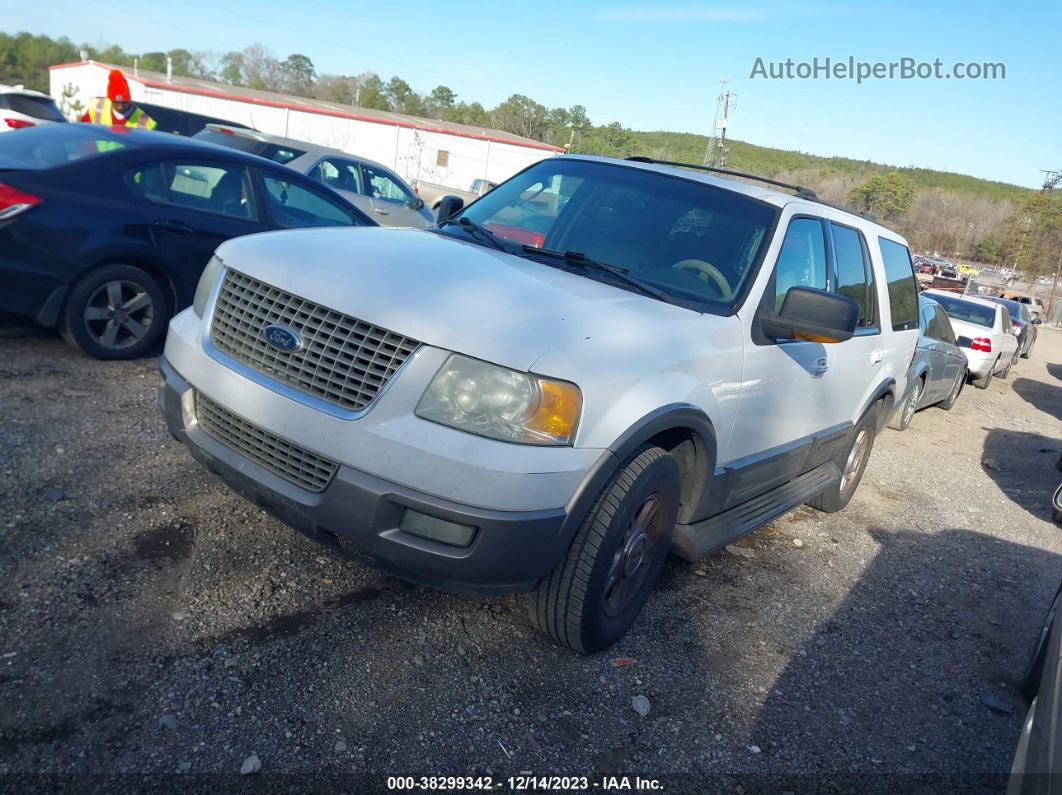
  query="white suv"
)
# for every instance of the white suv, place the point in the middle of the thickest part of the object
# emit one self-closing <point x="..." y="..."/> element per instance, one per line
<point x="599" y="361"/>
<point x="22" y="107"/>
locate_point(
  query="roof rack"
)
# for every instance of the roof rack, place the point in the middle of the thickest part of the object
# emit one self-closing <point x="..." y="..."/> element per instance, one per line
<point x="800" y="191"/>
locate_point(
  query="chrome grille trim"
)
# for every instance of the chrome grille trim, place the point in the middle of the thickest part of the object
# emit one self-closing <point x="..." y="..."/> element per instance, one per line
<point x="291" y="462"/>
<point x="344" y="361"/>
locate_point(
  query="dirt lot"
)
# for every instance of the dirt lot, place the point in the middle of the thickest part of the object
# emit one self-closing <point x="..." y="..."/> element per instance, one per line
<point x="152" y="622"/>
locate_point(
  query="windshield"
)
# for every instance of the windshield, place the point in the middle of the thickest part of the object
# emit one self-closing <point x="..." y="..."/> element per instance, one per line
<point x="692" y="241"/>
<point x="58" y="144"/>
<point x="967" y="311"/>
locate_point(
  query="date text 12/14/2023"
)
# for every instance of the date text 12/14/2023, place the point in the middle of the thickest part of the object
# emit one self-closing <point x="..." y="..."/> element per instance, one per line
<point x="524" y="783"/>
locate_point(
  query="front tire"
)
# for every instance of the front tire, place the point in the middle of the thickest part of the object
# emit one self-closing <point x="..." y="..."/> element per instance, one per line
<point x="594" y="595"/>
<point x="901" y="420"/>
<point x="852" y="468"/>
<point x="115" y="312"/>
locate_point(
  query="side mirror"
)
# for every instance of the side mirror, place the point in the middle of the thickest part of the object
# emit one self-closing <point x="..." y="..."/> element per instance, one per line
<point x="1037" y="321"/>
<point x="449" y="206"/>
<point x="813" y="315"/>
<point x="417" y="203"/>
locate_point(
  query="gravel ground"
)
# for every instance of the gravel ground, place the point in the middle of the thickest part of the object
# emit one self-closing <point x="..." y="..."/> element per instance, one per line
<point x="151" y="622"/>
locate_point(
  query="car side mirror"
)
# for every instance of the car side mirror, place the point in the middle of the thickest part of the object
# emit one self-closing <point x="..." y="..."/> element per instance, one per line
<point x="1037" y="321"/>
<point x="813" y="315"/>
<point x="449" y="206"/>
<point x="416" y="203"/>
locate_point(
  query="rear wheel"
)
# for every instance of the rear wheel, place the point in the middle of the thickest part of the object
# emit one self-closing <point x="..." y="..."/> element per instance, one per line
<point x="901" y="420"/>
<point x="953" y="396"/>
<point x="594" y="595"/>
<point x="1010" y="364"/>
<point x="986" y="379"/>
<point x="115" y="312"/>
<point x="852" y="467"/>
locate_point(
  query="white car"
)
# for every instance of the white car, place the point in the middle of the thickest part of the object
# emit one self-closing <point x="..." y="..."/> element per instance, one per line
<point x="985" y="333"/>
<point x="548" y="396"/>
<point x="21" y="107"/>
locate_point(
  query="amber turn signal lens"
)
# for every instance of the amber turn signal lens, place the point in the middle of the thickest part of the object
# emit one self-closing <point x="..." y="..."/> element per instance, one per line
<point x="558" y="410"/>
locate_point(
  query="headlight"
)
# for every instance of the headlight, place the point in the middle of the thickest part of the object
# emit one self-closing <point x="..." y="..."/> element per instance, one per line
<point x="206" y="284"/>
<point x="501" y="403"/>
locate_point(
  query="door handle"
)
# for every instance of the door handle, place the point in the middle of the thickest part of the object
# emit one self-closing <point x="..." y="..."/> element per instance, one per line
<point x="174" y="227"/>
<point x="820" y="366"/>
<point x="877" y="357"/>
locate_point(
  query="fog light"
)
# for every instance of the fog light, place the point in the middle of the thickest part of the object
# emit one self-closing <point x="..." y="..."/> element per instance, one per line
<point x="420" y="524"/>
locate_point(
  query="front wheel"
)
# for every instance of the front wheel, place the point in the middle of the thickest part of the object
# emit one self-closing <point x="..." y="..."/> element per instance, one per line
<point x="852" y="467"/>
<point x="115" y="312"/>
<point x="594" y="595"/>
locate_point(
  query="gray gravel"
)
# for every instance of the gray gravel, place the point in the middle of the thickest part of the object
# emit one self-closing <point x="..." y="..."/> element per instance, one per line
<point x="153" y="622"/>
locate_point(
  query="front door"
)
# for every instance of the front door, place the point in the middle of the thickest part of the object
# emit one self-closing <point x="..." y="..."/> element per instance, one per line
<point x="392" y="203"/>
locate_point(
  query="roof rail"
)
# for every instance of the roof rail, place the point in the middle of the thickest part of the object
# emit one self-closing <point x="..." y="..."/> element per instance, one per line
<point x="800" y="190"/>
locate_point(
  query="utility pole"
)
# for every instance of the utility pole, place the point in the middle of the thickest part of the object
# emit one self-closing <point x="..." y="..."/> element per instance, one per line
<point x="1054" y="286"/>
<point x="717" y="148"/>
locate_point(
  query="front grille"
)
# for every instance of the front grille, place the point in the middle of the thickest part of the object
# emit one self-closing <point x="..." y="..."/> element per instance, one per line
<point x="343" y="360"/>
<point x="289" y="461"/>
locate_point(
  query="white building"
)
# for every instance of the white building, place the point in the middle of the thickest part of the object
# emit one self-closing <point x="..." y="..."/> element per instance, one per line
<point x="436" y="151"/>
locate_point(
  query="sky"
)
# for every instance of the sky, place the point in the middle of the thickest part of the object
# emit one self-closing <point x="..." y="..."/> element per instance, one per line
<point x="657" y="66"/>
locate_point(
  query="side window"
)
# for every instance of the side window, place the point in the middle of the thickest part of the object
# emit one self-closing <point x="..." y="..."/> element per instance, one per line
<point x="945" y="325"/>
<point x="923" y="320"/>
<point x="294" y="207"/>
<point x="934" y="328"/>
<point x="902" y="285"/>
<point x="854" y="276"/>
<point x="383" y="186"/>
<point x="223" y="190"/>
<point x="802" y="260"/>
<point x="339" y="174"/>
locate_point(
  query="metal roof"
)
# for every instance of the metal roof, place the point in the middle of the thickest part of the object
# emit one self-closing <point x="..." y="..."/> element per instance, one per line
<point x="194" y="85"/>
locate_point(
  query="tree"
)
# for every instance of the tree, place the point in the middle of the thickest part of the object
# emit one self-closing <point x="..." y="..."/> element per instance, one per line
<point x="299" y="75"/>
<point x="372" y="93"/>
<point x="887" y="195"/>
<point x="153" y="61"/>
<point x="471" y="113"/>
<point x="232" y="68"/>
<point x="990" y="249"/>
<point x="520" y="115"/>
<point x="440" y="101"/>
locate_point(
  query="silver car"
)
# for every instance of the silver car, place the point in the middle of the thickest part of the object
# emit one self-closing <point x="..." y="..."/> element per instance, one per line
<point x="372" y="187"/>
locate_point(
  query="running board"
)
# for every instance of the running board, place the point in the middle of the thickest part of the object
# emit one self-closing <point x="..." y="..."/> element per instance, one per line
<point x="697" y="541"/>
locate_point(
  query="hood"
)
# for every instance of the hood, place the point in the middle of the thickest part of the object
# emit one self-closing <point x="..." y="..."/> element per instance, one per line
<point x="445" y="292"/>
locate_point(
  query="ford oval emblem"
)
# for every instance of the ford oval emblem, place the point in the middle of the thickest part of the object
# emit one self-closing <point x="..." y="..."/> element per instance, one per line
<point x="282" y="338"/>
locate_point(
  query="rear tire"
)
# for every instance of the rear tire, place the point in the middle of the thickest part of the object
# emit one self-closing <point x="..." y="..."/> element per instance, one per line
<point x="901" y="419"/>
<point x="953" y="396"/>
<point x="115" y="312"/>
<point x="853" y="465"/>
<point x="596" y="592"/>
<point x="986" y="379"/>
<point x="1006" y="372"/>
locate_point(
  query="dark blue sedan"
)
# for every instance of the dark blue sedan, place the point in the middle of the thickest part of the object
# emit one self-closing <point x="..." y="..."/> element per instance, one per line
<point x="938" y="371"/>
<point x="104" y="233"/>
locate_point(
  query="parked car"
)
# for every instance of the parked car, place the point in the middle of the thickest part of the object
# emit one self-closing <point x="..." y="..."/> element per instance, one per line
<point x="105" y="233"/>
<point x="985" y="333"/>
<point x="939" y="369"/>
<point x="375" y="189"/>
<point x="1035" y="305"/>
<point x="681" y="360"/>
<point x="1022" y="324"/>
<point x="432" y="193"/>
<point x="21" y="108"/>
<point x="1037" y="767"/>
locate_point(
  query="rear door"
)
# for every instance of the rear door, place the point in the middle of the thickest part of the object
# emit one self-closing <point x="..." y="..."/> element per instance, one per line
<point x="299" y="203"/>
<point x="192" y="207"/>
<point x="943" y="367"/>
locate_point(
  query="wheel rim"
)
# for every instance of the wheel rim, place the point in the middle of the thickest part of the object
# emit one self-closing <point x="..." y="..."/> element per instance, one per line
<point x="633" y="557"/>
<point x="856" y="457"/>
<point x="912" y="404"/>
<point x="119" y="314"/>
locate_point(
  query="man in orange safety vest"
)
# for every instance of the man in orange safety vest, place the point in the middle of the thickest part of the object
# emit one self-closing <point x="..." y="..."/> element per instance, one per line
<point x="117" y="109"/>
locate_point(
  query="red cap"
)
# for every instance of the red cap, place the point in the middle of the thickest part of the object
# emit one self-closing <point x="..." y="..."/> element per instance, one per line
<point x="117" y="87"/>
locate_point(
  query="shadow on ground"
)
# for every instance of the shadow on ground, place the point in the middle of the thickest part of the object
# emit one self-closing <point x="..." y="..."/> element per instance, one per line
<point x="1022" y="465"/>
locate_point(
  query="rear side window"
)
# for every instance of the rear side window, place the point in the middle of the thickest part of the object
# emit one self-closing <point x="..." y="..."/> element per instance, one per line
<point x="854" y="277"/>
<point x="222" y="190"/>
<point x="945" y="325"/>
<point x="802" y="260"/>
<point x="902" y="285"/>
<point x="37" y="107"/>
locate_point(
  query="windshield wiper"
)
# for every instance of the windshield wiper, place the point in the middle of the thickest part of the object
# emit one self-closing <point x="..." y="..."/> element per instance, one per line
<point x="579" y="258"/>
<point x="477" y="231"/>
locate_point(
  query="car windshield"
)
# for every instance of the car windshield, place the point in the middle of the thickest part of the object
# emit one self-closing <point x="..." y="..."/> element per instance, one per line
<point x="691" y="241"/>
<point x="59" y="144"/>
<point x="967" y="311"/>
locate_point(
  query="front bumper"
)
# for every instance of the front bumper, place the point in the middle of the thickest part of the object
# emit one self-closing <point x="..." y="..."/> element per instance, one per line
<point x="358" y="514"/>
